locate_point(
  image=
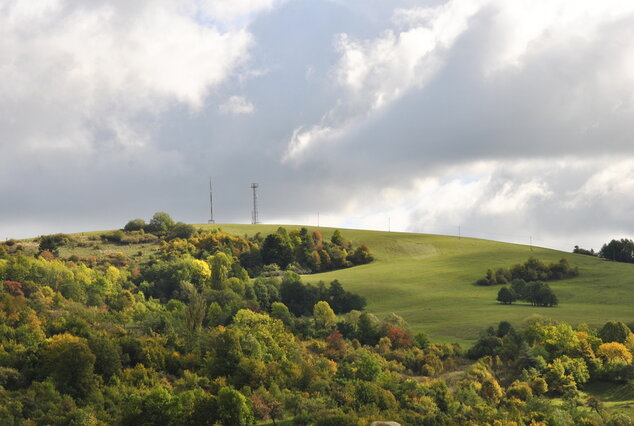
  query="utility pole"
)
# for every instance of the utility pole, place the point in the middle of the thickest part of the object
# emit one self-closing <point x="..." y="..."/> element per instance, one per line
<point x="254" y="215"/>
<point x="211" y="205"/>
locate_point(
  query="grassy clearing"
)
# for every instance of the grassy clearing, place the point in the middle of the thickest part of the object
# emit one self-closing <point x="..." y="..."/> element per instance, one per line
<point x="615" y="398"/>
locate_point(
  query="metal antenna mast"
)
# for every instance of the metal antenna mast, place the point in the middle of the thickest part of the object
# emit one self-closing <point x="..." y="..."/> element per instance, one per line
<point x="211" y="205"/>
<point x="254" y="214"/>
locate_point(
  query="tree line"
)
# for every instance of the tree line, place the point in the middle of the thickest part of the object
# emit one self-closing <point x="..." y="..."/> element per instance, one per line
<point x="537" y="293"/>
<point x="554" y="358"/>
<point x="621" y="250"/>
<point x="618" y="250"/>
<point x="531" y="270"/>
<point x="527" y="281"/>
<point x="298" y="250"/>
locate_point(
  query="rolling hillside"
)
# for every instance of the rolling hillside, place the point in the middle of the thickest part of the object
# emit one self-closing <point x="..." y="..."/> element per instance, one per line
<point x="428" y="280"/>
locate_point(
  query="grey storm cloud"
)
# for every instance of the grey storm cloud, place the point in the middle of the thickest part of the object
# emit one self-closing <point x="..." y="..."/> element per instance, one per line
<point x="506" y="118"/>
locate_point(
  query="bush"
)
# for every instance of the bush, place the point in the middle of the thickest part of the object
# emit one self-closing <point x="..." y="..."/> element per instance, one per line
<point x="614" y="331"/>
<point x="506" y="296"/>
<point x="134" y="225"/>
<point x="113" y="237"/>
<point x="160" y="224"/>
<point x="531" y="270"/>
<point x="483" y="282"/>
<point x="182" y="230"/>
<point x="53" y="242"/>
<point x="361" y="255"/>
<point x="337" y="419"/>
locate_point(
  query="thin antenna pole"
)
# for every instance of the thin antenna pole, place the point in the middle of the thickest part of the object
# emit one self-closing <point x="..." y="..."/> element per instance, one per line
<point x="531" y="243"/>
<point x="254" y="216"/>
<point x="459" y="234"/>
<point x="389" y="224"/>
<point x="317" y="219"/>
<point x="211" y="204"/>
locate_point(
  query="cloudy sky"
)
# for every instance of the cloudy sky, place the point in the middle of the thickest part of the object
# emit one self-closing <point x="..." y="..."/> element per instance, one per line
<point x="508" y="118"/>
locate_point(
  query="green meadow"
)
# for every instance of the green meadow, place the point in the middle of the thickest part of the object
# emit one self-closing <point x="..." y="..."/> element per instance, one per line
<point x="428" y="279"/>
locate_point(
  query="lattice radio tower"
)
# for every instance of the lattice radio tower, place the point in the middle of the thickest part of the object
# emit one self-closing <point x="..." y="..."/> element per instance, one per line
<point x="254" y="214"/>
<point x="211" y="205"/>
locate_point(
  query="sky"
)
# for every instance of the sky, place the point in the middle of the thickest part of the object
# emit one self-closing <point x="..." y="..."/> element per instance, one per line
<point x="510" y="120"/>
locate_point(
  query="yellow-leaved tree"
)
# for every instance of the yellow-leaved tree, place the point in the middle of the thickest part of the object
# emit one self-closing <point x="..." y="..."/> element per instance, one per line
<point x="615" y="353"/>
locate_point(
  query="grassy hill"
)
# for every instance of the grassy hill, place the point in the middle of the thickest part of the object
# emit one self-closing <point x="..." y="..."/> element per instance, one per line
<point x="428" y="279"/>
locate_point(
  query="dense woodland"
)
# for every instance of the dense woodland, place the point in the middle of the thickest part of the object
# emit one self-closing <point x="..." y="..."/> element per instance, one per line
<point x="618" y="250"/>
<point x="186" y="336"/>
<point x="621" y="250"/>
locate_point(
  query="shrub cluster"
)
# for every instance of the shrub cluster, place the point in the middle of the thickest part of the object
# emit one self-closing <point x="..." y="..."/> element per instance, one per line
<point x="537" y="293"/>
<point x="161" y="225"/>
<point x="298" y="250"/>
<point x="531" y="270"/>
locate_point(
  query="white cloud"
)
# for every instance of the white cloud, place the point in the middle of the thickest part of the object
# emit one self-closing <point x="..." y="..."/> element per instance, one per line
<point x="375" y="73"/>
<point x="237" y="105"/>
<point x="614" y="179"/>
<point x="514" y="197"/>
<point x="303" y="139"/>
<point x="235" y="10"/>
<point x="76" y="67"/>
<point x="573" y="202"/>
<point x="527" y="24"/>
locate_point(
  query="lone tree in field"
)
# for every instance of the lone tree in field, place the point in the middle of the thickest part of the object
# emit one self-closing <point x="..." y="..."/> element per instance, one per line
<point x="506" y="296"/>
<point x="53" y="242"/>
<point x="134" y="225"/>
<point x="160" y="223"/>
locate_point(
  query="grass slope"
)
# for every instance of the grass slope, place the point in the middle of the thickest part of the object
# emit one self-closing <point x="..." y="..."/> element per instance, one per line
<point x="428" y="279"/>
<point x="615" y="398"/>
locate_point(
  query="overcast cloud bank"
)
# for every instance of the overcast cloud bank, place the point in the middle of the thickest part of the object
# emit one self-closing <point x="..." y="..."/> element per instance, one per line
<point x="510" y="120"/>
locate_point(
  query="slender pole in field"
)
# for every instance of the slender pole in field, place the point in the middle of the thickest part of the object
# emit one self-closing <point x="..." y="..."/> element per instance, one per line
<point x="254" y="216"/>
<point x="211" y="205"/>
